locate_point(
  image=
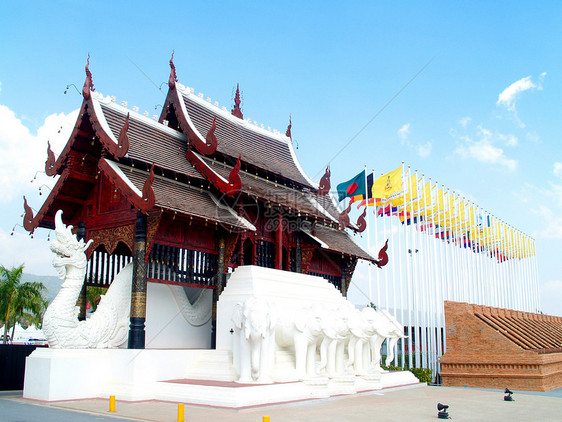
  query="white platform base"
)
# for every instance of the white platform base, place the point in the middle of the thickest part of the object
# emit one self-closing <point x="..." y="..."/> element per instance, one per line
<point x="203" y="377"/>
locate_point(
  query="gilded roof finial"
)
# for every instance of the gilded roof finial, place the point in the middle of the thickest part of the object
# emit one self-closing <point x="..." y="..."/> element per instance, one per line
<point x="236" y="111"/>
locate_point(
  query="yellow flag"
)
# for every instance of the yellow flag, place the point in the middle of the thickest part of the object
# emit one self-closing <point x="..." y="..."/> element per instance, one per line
<point x="471" y="216"/>
<point x="388" y="184"/>
<point x="440" y="203"/>
<point x="426" y="200"/>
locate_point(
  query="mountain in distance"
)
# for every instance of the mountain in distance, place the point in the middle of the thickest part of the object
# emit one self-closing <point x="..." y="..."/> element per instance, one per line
<point x="51" y="282"/>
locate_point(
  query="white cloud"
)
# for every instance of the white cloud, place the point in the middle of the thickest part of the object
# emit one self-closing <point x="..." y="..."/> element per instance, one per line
<point x="551" y="221"/>
<point x="533" y="136"/>
<point x="484" y="148"/>
<point x="508" y="140"/>
<point x="425" y="149"/>
<point x="23" y="153"/>
<point x="22" y="249"/>
<point x="558" y="170"/>
<point x="508" y="97"/>
<point x="465" y="121"/>
<point x="485" y="152"/>
<point x="404" y="131"/>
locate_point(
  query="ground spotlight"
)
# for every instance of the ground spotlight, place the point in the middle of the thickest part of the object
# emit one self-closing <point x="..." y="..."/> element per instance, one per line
<point x="508" y="397"/>
<point x="443" y="414"/>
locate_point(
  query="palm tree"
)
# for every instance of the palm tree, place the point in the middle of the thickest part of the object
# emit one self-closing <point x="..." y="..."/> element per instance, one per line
<point x="19" y="302"/>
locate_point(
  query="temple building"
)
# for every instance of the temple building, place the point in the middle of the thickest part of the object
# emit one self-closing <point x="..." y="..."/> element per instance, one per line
<point x="190" y="197"/>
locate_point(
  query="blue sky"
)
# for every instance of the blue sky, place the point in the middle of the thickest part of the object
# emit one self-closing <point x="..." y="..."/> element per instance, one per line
<point x="483" y="118"/>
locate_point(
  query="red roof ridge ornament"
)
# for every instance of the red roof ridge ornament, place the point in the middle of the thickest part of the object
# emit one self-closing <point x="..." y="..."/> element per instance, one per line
<point x="229" y="187"/>
<point x="361" y="222"/>
<point x="236" y="111"/>
<point x="28" y="221"/>
<point x="148" y="197"/>
<point x="234" y="179"/>
<point x="288" y="132"/>
<point x="324" y="184"/>
<point x="383" y="256"/>
<point x="344" y="217"/>
<point x="173" y="77"/>
<point x="88" y="87"/>
<point x="211" y="139"/>
<point x="51" y="161"/>
<point x="123" y="141"/>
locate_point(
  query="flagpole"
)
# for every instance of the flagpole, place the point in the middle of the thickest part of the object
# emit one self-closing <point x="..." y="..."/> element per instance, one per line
<point x="393" y="251"/>
<point x="377" y="276"/>
<point x="408" y="276"/>
<point x="436" y="273"/>
<point x="368" y="236"/>
<point x="443" y="278"/>
<point x="401" y="252"/>
<point x="420" y="283"/>
<point x="428" y="282"/>
<point x="415" y="281"/>
<point x="386" y="272"/>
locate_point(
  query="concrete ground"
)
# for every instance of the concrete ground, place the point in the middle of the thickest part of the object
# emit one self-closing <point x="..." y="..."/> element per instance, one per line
<point x="405" y="404"/>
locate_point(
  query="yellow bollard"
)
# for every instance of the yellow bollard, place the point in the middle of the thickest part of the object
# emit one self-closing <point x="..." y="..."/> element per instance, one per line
<point x="112" y="403"/>
<point x="265" y="419"/>
<point x="180" y="412"/>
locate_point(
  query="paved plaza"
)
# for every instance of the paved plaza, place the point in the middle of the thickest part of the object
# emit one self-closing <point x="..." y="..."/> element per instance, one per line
<point x="400" y="404"/>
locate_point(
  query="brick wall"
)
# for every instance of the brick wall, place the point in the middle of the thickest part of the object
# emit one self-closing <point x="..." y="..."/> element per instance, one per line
<point x="500" y="356"/>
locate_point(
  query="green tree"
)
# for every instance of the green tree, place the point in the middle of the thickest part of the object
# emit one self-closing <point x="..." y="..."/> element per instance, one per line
<point x="19" y="302"/>
<point x="93" y="296"/>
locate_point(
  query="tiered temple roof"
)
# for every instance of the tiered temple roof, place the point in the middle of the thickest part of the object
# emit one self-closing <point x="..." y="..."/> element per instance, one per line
<point x="197" y="163"/>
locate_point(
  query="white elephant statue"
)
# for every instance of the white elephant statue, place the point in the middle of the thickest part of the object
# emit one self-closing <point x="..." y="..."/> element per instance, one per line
<point x="302" y="329"/>
<point x="363" y="330"/>
<point x="394" y="332"/>
<point x="253" y="347"/>
<point x="386" y="327"/>
<point x="379" y="324"/>
<point x="336" y="328"/>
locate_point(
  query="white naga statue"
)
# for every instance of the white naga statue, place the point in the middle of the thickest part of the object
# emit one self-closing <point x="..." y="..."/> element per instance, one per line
<point x="109" y="326"/>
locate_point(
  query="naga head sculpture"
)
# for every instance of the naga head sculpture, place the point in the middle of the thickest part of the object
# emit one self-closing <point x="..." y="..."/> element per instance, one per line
<point x="68" y="250"/>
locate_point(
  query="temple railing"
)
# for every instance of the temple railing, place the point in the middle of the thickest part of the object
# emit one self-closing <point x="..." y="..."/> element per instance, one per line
<point x="265" y="254"/>
<point x="170" y="264"/>
<point x="102" y="268"/>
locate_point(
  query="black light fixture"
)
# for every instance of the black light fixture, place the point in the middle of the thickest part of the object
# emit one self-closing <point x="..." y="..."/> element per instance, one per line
<point x="443" y="414"/>
<point x="508" y="396"/>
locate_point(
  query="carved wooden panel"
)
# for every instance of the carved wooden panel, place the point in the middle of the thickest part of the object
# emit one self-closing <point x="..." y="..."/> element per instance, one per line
<point x="109" y="238"/>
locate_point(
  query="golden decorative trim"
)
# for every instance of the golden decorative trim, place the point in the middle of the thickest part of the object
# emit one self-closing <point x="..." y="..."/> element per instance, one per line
<point x="138" y="305"/>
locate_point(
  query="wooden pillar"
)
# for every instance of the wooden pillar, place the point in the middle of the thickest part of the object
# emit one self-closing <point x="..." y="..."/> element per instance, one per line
<point x="138" y="288"/>
<point x="298" y="254"/>
<point x="344" y="276"/>
<point x="279" y="242"/>
<point x="220" y="278"/>
<point x="81" y="302"/>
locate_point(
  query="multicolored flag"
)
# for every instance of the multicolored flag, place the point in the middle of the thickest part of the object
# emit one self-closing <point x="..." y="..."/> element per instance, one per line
<point x="369" y="201"/>
<point x="354" y="188"/>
